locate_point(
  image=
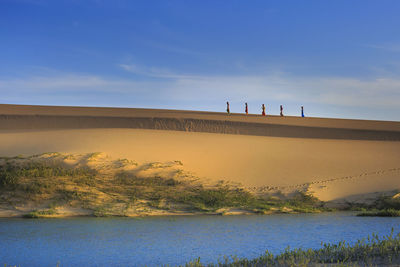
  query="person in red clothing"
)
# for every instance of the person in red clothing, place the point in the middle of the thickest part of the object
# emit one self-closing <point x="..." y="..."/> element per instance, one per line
<point x="227" y="107"/>
<point x="263" y="110"/>
<point x="246" y="108"/>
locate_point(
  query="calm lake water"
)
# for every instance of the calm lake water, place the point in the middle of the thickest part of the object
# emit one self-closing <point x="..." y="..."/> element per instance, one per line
<point x="174" y="240"/>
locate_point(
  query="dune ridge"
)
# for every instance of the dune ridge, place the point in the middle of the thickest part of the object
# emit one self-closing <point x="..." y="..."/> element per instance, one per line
<point x="8" y="109"/>
<point x="17" y="117"/>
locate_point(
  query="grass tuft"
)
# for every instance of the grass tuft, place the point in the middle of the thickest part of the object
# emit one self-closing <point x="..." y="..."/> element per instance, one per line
<point x="39" y="214"/>
<point x="373" y="251"/>
<point x="381" y="213"/>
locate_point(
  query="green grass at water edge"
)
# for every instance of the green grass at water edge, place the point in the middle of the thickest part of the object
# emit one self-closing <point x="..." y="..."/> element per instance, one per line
<point x="383" y="202"/>
<point x="381" y="213"/>
<point x="386" y="202"/>
<point x="39" y="214"/>
<point x="373" y="251"/>
<point x="384" y="206"/>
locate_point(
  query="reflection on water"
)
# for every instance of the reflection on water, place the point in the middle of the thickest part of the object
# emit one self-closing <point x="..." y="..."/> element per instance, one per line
<point x="174" y="240"/>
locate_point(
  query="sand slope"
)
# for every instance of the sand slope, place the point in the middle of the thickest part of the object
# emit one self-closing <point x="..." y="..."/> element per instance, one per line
<point x="256" y="151"/>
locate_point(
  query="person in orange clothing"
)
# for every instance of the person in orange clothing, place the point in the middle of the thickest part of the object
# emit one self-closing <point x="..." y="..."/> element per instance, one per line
<point x="263" y="110"/>
<point x="227" y="107"/>
<point x="246" y="108"/>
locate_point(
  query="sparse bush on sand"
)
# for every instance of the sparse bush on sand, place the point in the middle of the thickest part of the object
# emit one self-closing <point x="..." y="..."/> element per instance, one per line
<point x="45" y="178"/>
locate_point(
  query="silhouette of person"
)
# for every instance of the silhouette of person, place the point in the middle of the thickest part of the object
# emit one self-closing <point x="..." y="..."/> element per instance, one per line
<point x="227" y="107"/>
<point x="302" y="111"/>
<point x="246" y="108"/>
<point x="281" y="111"/>
<point x="263" y="110"/>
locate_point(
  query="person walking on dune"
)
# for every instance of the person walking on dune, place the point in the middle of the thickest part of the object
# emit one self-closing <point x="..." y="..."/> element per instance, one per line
<point x="263" y="110"/>
<point x="281" y="111"/>
<point x="227" y="107"/>
<point x="246" y="108"/>
<point x="302" y="111"/>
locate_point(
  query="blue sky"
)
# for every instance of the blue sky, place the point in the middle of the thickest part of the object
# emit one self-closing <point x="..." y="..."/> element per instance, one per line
<point x="336" y="58"/>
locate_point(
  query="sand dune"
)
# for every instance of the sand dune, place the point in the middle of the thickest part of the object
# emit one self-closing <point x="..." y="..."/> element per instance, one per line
<point x="252" y="150"/>
<point x="41" y="117"/>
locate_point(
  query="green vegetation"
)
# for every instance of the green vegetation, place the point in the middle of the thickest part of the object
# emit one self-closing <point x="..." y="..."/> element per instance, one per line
<point x="101" y="212"/>
<point x="164" y="193"/>
<point x="113" y="191"/>
<point x="39" y="214"/>
<point x="305" y="203"/>
<point x="384" y="206"/>
<point x="35" y="180"/>
<point x="11" y="173"/>
<point x="373" y="251"/>
<point x="386" y="202"/>
<point x="381" y="213"/>
<point x="24" y="180"/>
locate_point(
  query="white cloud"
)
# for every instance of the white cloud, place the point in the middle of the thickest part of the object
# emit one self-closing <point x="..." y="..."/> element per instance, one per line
<point x="152" y="71"/>
<point x="65" y="82"/>
<point x="175" y="88"/>
<point x="175" y="49"/>
<point x="322" y="90"/>
<point x="392" y="47"/>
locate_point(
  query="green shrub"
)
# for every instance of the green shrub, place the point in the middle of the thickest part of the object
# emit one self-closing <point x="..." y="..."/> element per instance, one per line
<point x="387" y="202"/>
<point x="68" y="195"/>
<point x="381" y="213"/>
<point x="373" y="251"/>
<point x="8" y="175"/>
<point x="302" y="199"/>
<point x="126" y="178"/>
<point x="39" y="214"/>
<point x="87" y="180"/>
<point x="101" y="212"/>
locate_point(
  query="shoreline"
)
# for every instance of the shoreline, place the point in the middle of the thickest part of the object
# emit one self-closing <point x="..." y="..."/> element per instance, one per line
<point x="160" y="214"/>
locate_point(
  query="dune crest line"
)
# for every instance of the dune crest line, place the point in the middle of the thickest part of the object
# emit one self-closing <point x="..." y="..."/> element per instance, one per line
<point x="40" y="122"/>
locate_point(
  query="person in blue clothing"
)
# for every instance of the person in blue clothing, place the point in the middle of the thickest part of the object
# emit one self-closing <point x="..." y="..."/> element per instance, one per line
<point x="302" y="111"/>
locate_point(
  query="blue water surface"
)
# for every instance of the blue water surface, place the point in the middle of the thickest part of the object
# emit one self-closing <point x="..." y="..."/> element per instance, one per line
<point x="175" y="240"/>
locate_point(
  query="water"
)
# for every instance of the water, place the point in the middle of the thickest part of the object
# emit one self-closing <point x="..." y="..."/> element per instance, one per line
<point x="174" y="240"/>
